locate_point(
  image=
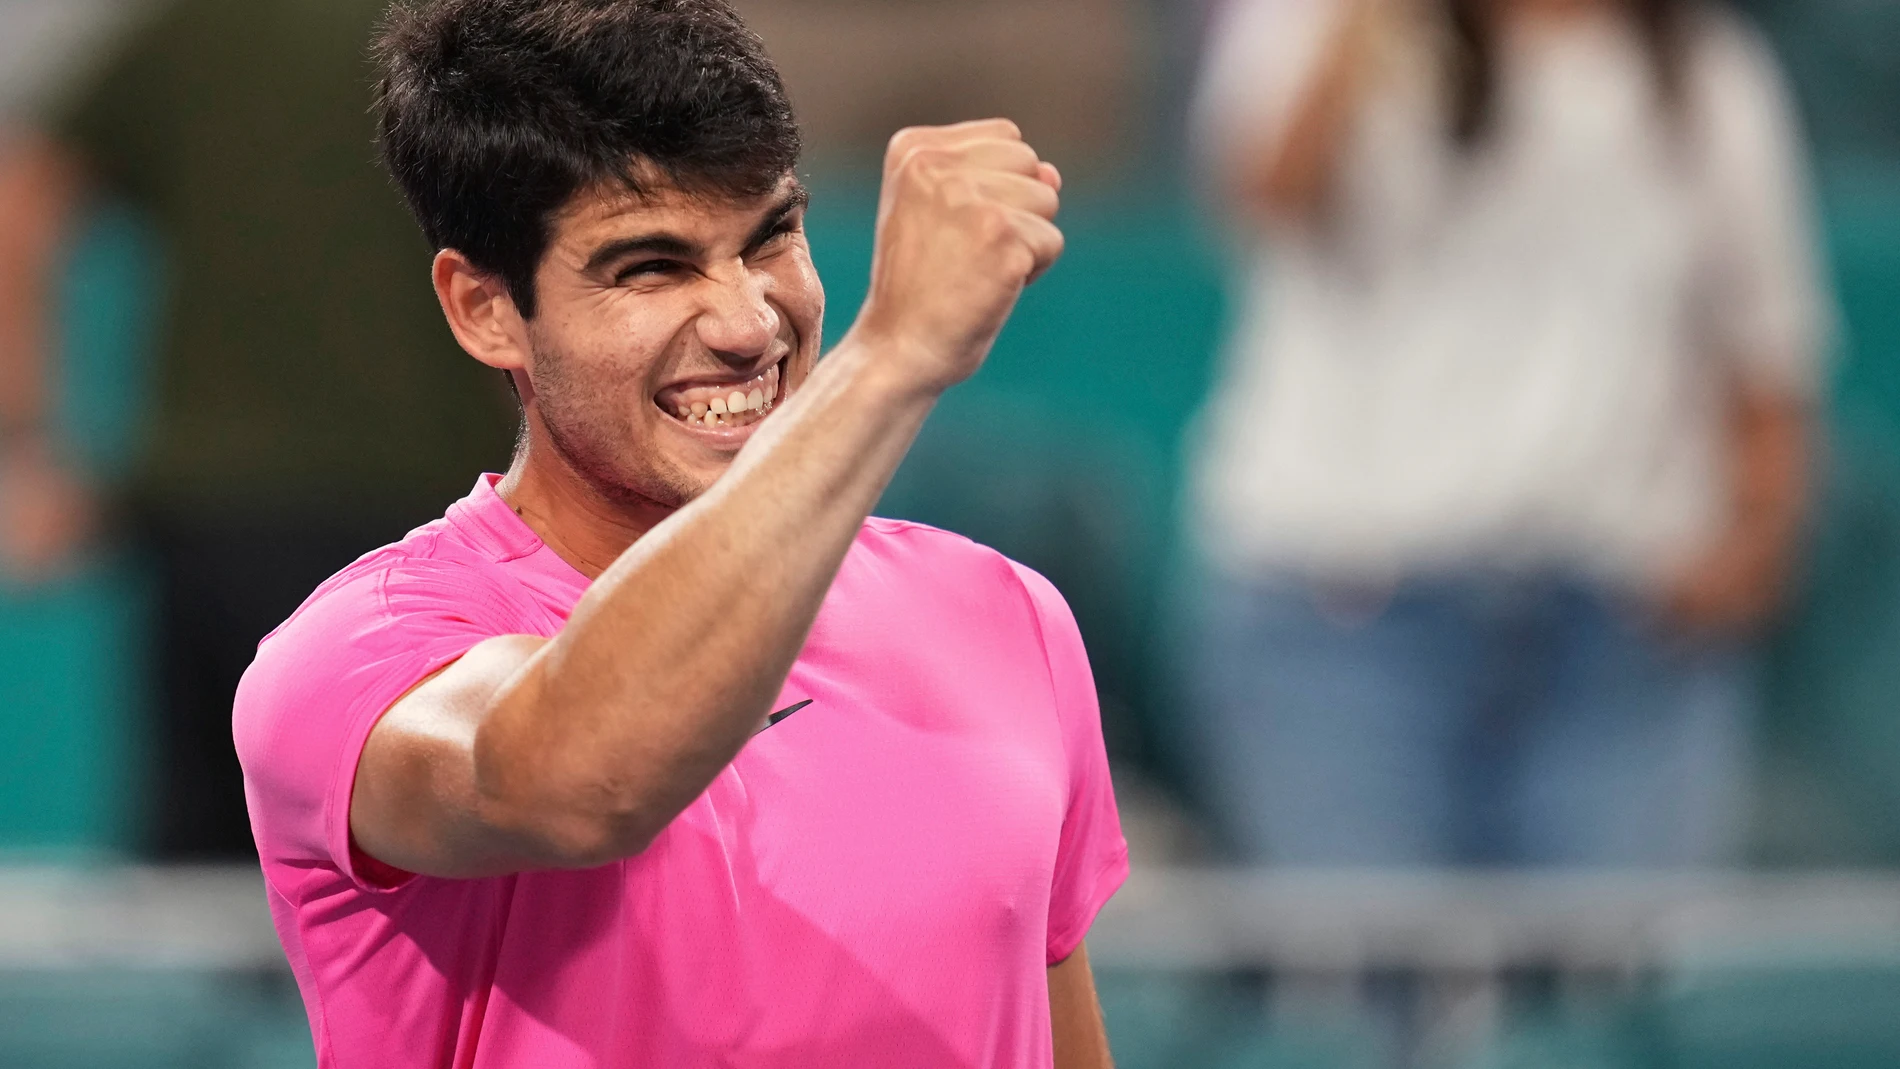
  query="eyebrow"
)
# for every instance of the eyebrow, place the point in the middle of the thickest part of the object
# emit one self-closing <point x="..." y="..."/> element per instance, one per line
<point x="794" y="199"/>
<point x="669" y="245"/>
<point x="676" y="247"/>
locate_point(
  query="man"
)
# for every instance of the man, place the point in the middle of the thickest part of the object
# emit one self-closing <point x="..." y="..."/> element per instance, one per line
<point x="307" y="401"/>
<point x="655" y="751"/>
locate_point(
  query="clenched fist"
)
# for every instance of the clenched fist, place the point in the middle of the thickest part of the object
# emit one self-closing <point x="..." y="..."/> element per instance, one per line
<point x="965" y="222"/>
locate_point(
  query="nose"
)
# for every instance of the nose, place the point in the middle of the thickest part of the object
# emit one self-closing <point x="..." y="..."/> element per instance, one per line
<point x="738" y="323"/>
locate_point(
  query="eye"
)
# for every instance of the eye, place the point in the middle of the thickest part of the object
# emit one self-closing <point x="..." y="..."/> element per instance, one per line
<point x="653" y="268"/>
<point x="778" y="235"/>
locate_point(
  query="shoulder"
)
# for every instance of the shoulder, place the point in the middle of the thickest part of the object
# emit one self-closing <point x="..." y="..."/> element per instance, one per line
<point x="944" y="556"/>
<point x="1719" y="34"/>
<point x="929" y="551"/>
<point x="428" y="590"/>
<point x="881" y="529"/>
<point x="387" y="581"/>
<point x="1742" y="103"/>
<point x="1732" y="61"/>
<point x="983" y="582"/>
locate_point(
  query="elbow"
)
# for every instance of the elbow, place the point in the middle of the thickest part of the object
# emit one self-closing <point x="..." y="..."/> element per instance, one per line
<point x="573" y="834"/>
<point x="602" y="819"/>
<point x="561" y="815"/>
<point x="583" y="841"/>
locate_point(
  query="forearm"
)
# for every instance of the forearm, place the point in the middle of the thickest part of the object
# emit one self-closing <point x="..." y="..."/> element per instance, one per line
<point x="671" y="661"/>
<point x="1740" y="579"/>
<point x="1769" y="497"/>
<point x="1773" y="455"/>
<point x="1290" y="177"/>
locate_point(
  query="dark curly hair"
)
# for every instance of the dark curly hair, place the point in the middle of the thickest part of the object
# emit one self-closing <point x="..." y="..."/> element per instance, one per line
<point x="493" y="114"/>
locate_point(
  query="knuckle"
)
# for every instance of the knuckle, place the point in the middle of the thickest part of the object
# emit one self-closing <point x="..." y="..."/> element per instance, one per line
<point x="906" y="144"/>
<point x="1020" y="261"/>
<point x="922" y="160"/>
<point x="914" y="173"/>
<point x="994" y="228"/>
<point x="903" y="141"/>
<point x="960" y="190"/>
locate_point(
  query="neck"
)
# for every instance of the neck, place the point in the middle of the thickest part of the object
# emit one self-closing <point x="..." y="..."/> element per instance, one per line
<point x="582" y="527"/>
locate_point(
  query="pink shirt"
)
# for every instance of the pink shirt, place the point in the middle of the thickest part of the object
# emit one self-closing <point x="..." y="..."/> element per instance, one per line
<point x="879" y="880"/>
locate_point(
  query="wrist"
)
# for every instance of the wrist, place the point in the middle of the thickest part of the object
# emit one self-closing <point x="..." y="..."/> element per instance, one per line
<point x="882" y="367"/>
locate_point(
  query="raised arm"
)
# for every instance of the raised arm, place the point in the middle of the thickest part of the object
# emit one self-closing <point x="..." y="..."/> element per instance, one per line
<point x="1289" y="176"/>
<point x="578" y="751"/>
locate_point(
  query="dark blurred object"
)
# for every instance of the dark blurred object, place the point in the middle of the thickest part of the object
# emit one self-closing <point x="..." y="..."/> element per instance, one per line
<point x="309" y="405"/>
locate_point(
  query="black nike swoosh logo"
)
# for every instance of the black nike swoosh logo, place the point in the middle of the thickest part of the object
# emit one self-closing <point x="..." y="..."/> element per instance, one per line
<point x="772" y="721"/>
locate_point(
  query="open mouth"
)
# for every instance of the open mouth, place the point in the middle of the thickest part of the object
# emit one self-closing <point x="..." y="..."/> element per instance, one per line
<point x="724" y="405"/>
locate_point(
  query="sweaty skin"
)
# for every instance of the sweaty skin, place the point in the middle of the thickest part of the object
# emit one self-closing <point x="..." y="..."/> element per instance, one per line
<point x="573" y="752"/>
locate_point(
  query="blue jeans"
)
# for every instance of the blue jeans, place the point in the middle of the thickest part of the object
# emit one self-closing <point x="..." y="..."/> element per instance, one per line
<point x="1472" y="720"/>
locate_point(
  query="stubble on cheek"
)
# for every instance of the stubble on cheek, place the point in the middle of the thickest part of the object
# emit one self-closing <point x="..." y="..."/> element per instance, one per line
<point x="596" y="420"/>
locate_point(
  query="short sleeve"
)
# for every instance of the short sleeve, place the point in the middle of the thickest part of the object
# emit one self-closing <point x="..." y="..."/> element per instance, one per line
<point x="1764" y="305"/>
<point x="1092" y="856"/>
<point x="306" y="706"/>
<point x="1260" y="55"/>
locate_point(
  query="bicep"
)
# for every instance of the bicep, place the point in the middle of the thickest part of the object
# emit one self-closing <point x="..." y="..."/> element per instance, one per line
<point x="416" y="803"/>
<point x="1075" y="1015"/>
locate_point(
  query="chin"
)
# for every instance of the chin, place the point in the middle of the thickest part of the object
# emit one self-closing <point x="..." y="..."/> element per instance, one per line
<point x="681" y="480"/>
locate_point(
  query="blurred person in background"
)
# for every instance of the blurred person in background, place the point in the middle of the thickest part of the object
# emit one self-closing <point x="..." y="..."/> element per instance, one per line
<point x="1509" y="461"/>
<point x="310" y="404"/>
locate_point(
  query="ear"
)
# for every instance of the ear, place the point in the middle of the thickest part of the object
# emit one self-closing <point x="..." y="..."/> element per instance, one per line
<point x="481" y="312"/>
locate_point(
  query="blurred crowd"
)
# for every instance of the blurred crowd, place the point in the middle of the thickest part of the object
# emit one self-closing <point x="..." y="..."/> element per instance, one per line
<point x="1508" y="474"/>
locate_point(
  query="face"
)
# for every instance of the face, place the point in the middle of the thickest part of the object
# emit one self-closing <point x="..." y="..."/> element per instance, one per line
<point x="667" y="328"/>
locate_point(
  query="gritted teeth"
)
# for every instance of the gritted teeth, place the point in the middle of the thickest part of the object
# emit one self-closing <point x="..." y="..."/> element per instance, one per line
<point x="728" y="405"/>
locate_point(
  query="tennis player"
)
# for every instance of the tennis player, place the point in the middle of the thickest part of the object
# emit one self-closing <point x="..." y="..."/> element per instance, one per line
<point x="655" y="751"/>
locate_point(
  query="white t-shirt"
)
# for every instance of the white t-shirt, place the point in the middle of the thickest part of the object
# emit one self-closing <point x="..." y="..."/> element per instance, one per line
<point x="1515" y="358"/>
